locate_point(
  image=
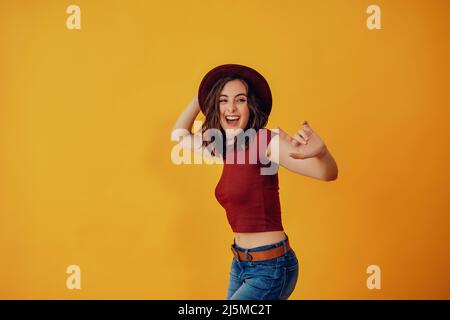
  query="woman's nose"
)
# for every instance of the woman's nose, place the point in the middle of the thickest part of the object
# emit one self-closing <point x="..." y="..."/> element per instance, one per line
<point x="232" y="106"/>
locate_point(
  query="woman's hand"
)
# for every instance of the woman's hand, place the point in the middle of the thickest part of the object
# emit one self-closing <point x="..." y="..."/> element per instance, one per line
<point x="194" y="103"/>
<point x="304" y="153"/>
<point x="306" y="143"/>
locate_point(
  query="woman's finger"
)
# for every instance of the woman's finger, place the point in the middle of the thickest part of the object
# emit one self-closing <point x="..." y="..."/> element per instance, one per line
<point x="303" y="134"/>
<point x="307" y="128"/>
<point x="296" y="155"/>
<point x="295" y="142"/>
<point x="300" y="138"/>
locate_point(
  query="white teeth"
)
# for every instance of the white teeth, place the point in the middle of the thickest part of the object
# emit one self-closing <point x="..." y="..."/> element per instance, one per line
<point x="232" y="117"/>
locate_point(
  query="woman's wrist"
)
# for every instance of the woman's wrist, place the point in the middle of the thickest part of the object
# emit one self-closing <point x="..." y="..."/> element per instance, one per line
<point x="323" y="152"/>
<point x="194" y="105"/>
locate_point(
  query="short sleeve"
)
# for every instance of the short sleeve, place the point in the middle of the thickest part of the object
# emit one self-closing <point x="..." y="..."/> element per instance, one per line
<point x="264" y="137"/>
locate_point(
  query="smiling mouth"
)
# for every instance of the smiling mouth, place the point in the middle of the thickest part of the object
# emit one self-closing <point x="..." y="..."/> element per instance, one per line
<point x="232" y="119"/>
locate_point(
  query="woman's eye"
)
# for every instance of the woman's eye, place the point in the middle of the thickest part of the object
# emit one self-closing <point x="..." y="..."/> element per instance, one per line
<point x="222" y="101"/>
<point x="241" y="100"/>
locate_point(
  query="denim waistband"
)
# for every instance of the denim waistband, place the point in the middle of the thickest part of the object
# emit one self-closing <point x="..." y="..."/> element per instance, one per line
<point x="264" y="247"/>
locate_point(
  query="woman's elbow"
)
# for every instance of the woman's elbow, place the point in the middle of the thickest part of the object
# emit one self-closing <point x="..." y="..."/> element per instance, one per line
<point x="331" y="176"/>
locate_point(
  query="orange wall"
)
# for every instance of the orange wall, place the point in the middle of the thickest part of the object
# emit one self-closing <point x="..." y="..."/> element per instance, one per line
<point x="85" y="170"/>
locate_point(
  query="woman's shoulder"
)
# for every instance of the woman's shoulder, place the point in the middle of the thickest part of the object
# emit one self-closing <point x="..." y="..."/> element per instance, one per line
<point x="267" y="133"/>
<point x="265" y="129"/>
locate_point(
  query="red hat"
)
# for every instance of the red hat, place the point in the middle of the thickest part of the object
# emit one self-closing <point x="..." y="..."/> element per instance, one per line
<point x="254" y="79"/>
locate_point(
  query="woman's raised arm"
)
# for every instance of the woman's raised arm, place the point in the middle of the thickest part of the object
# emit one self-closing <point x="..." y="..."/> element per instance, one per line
<point x="305" y="153"/>
<point x="187" y="117"/>
<point x="181" y="131"/>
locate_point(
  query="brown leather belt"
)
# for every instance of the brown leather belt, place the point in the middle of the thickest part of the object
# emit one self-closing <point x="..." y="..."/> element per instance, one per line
<point x="268" y="254"/>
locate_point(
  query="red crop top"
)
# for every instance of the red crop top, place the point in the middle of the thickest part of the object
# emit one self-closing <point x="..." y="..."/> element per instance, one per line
<point x="251" y="199"/>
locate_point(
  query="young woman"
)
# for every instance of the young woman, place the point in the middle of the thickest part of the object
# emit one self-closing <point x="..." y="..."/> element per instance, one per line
<point x="236" y="101"/>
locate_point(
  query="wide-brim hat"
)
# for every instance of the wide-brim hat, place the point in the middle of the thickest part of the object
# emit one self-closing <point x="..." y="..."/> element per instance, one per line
<point x="255" y="80"/>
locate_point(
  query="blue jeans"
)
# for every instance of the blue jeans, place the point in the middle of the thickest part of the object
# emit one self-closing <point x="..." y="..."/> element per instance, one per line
<point x="272" y="279"/>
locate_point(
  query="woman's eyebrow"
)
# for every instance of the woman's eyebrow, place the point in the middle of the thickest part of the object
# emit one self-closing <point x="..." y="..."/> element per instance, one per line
<point x="236" y="95"/>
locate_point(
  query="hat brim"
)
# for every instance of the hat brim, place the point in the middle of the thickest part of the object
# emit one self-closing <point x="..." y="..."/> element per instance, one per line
<point x="255" y="80"/>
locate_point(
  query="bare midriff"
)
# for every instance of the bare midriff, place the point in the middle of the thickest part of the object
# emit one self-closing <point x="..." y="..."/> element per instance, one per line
<point x="257" y="239"/>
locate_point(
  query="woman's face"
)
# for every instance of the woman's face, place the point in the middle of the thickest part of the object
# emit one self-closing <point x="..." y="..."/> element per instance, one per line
<point x="234" y="111"/>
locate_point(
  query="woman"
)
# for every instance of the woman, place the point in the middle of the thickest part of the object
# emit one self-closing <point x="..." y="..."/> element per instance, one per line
<point x="236" y="101"/>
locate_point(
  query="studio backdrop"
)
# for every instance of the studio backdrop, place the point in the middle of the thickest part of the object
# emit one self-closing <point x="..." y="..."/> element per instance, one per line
<point x="93" y="207"/>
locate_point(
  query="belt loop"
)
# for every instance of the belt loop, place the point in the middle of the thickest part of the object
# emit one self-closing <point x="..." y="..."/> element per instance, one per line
<point x="235" y="253"/>
<point x="285" y="241"/>
<point x="248" y="256"/>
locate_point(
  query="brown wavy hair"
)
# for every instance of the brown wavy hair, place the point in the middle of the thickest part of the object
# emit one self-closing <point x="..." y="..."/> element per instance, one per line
<point x="257" y="118"/>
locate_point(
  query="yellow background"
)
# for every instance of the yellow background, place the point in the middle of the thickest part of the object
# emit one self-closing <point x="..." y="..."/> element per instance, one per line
<point x="85" y="170"/>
